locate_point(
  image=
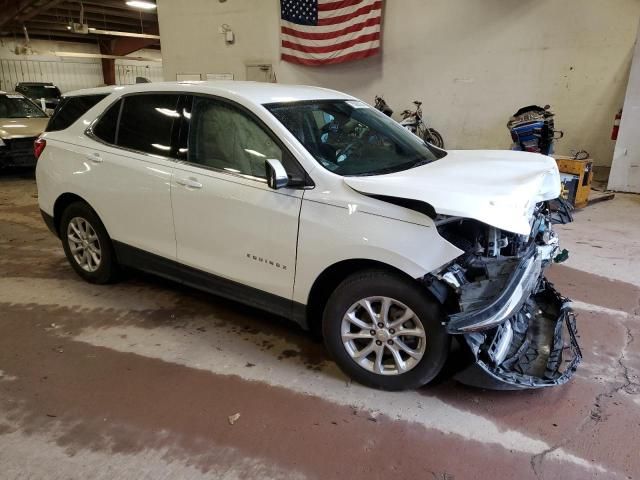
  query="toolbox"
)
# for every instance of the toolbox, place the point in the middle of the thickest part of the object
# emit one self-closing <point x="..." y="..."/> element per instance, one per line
<point x="582" y="170"/>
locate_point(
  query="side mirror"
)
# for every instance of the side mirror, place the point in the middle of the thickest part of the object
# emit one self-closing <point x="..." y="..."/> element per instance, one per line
<point x="276" y="174"/>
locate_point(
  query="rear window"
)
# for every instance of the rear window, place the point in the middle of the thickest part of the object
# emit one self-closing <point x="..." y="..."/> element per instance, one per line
<point x="146" y="122"/>
<point x="142" y="122"/>
<point x="107" y="126"/>
<point x="70" y="109"/>
<point x="39" y="91"/>
<point x="16" y="106"/>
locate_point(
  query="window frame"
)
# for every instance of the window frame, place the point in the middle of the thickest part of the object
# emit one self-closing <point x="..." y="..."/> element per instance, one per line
<point x="89" y="130"/>
<point x="122" y="98"/>
<point x="307" y="181"/>
<point x="177" y="132"/>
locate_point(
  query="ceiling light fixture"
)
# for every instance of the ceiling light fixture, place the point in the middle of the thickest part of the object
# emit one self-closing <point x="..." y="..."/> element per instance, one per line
<point x="144" y="4"/>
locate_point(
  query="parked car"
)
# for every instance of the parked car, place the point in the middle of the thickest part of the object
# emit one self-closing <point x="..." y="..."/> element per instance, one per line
<point x="37" y="91"/>
<point x="21" y="121"/>
<point x="310" y="204"/>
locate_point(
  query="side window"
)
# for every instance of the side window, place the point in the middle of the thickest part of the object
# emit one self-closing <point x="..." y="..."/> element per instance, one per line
<point x="221" y="136"/>
<point x="71" y="109"/>
<point x="106" y="127"/>
<point x="146" y="122"/>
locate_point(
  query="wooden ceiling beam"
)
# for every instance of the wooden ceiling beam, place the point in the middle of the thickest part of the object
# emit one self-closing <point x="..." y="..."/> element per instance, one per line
<point x="12" y="10"/>
<point x="39" y="7"/>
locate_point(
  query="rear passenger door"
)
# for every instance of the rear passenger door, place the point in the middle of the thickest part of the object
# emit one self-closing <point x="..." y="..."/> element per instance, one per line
<point x="131" y="155"/>
<point x="228" y="221"/>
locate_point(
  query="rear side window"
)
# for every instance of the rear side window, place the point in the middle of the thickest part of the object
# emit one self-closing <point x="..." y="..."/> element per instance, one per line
<point x="71" y="109"/>
<point x="146" y="122"/>
<point x="106" y="127"/>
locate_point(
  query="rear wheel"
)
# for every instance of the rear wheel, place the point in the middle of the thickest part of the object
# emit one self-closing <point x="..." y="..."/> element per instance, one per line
<point x="385" y="331"/>
<point x="87" y="245"/>
<point x="432" y="136"/>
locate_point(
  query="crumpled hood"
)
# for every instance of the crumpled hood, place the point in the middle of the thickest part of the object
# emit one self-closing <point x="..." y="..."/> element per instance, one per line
<point x="496" y="187"/>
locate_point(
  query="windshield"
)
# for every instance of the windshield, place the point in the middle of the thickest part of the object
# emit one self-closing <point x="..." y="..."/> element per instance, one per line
<point x="16" y="106"/>
<point x="351" y="138"/>
<point x="41" y="91"/>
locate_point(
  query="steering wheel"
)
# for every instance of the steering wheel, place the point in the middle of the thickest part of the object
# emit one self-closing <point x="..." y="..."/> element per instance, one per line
<point x="347" y="150"/>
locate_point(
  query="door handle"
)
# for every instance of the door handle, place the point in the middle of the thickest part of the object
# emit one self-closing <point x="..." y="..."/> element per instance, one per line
<point x="94" y="157"/>
<point x="189" y="183"/>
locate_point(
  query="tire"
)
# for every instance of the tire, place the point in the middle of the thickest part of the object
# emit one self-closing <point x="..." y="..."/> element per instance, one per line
<point x="79" y="222"/>
<point x="432" y="136"/>
<point x="406" y="298"/>
<point x="436" y="137"/>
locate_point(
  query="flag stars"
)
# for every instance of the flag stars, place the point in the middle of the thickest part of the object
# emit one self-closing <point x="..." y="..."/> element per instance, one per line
<point x="302" y="12"/>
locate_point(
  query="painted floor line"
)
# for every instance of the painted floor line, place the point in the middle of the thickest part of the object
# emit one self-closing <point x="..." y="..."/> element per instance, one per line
<point x="215" y="353"/>
<point x="578" y="305"/>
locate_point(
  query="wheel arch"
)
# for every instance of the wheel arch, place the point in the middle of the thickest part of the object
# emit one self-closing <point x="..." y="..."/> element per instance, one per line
<point x="61" y="203"/>
<point x="331" y="277"/>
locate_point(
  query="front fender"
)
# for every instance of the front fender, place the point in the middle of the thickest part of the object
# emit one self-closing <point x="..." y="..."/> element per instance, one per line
<point x="330" y="234"/>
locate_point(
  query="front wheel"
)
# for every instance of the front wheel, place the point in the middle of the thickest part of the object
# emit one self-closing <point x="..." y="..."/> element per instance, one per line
<point x="384" y="331"/>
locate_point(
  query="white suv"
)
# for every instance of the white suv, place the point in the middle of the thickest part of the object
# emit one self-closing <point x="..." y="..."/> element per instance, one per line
<point x="310" y="204"/>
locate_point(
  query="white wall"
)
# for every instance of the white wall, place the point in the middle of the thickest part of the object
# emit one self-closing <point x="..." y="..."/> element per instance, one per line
<point x="472" y="62"/>
<point x="625" y="170"/>
<point x="68" y="73"/>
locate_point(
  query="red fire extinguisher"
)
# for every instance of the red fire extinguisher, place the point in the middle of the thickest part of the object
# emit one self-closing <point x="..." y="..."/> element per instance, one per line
<point x="616" y="126"/>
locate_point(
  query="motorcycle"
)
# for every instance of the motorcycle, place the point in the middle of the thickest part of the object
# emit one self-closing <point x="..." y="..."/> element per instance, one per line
<point x="381" y="105"/>
<point x="532" y="129"/>
<point x="413" y="121"/>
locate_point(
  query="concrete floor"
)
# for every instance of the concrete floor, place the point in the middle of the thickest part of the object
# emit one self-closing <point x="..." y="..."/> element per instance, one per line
<point x="137" y="380"/>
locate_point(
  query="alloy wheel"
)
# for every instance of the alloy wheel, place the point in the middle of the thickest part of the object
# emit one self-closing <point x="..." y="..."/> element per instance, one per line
<point x="383" y="335"/>
<point x="84" y="244"/>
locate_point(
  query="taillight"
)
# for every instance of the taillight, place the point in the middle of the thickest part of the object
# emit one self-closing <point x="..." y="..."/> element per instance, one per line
<point x="38" y="147"/>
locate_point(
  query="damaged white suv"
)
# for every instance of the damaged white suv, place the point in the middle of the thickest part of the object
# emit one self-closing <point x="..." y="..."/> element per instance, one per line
<point x="310" y="204"/>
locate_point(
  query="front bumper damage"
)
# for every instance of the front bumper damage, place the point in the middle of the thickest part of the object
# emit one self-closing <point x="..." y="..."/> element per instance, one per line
<point x="521" y="333"/>
<point x="536" y="347"/>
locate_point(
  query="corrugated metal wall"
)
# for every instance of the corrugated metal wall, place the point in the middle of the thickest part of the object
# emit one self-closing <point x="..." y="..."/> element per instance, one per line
<point x="66" y="75"/>
<point x="126" y="73"/>
<point x="69" y="75"/>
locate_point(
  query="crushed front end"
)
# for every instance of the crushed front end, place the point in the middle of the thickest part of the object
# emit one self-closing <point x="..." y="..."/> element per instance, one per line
<point x="520" y="331"/>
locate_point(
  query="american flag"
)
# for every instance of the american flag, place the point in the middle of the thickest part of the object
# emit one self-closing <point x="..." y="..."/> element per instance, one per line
<point x="319" y="32"/>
